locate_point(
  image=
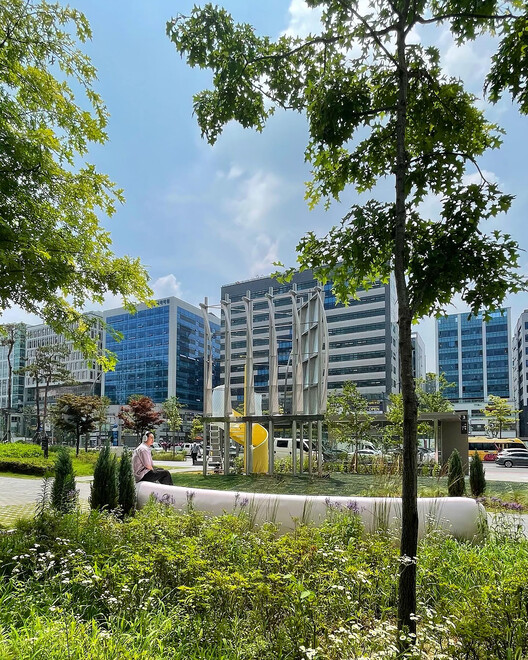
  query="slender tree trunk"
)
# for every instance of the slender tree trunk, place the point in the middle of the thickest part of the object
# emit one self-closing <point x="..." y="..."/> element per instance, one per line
<point x="9" y="386"/>
<point x="409" y="536"/>
<point x="45" y="442"/>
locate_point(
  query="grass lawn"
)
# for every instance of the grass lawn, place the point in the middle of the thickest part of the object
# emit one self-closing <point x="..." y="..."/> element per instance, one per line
<point x="339" y="484"/>
<point x="19" y="476"/>
<point x="499" y="495"/>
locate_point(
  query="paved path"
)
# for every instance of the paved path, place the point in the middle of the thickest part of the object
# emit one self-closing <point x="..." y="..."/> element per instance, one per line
<point x="19" y="495"/>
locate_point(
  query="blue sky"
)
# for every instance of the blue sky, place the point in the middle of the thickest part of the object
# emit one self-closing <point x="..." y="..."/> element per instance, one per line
<point x="201" y="216"/>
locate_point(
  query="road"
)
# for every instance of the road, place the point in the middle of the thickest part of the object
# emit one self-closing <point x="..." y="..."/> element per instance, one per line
<point x="501" y="473"/>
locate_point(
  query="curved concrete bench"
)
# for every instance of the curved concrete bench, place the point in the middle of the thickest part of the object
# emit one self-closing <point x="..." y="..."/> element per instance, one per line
<point x="459" y="516"/>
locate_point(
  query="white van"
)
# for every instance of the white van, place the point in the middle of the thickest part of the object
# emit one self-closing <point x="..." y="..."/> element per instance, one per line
<point x="283" y="447"/>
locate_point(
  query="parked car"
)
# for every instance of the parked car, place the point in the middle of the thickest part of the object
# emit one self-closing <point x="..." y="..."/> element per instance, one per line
<point x="155" y="446"/>
<point x="423" y="456"/>
<point x="366" y="452"/>
<point x="426" y="456"/>
<point x="513" y="458"/>
<point x="508" y="450"/>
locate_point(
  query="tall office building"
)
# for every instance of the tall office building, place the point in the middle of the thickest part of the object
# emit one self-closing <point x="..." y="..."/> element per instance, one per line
<point x="13" y="350"/>
<point x="363" y="337"/>
<point x="520" y="371"/>
<point x="418" y="356"/>
<point x="161" y="353"/>
<point x="86" y="373"/>
<point x="475" y="355"/>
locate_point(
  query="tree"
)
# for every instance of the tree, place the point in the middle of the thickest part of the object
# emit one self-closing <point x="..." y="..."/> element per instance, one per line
<point x="104" y="405"/>
<point x="63" y="493"/>
<point x="10" y="333"/>
<point x="477" y="475"/>
<point x="500" y="414"/>
<point x="456" y="484"/>
<point x="172" y="411"/>
<point x="365" y="71"/>
<point x="46" y="369"/>
<point x="347" y="416"/>
<point x="196" y="428"/>
<point x="55" y="256"/>
<point x="430" y="393"/>
<point x="78" y="414"/>
<point x="103" y="491"/>
<point x="126" y="484"/>
<point x="140" y="415"/>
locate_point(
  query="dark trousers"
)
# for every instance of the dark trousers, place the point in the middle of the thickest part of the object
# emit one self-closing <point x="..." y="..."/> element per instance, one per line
<point x="160" y="475"/>
<point x="194" y="457"/>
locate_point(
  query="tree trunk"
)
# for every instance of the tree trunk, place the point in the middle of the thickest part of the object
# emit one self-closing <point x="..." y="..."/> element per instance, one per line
<point x="9" y="386"/>
<point x="44" y="414"/>
<point x="409" y="536"/>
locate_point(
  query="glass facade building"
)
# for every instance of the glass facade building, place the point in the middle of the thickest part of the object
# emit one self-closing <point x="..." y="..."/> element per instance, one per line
<point x="161" y="353"/>
<point x="475" y="356"/>
<point x="520" y="371"/>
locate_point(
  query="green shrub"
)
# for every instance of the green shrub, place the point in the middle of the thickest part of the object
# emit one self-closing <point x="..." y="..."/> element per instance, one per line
<point x="456" y="484"/>
<point x="166" y="584"/>
<point x="36" y="466"/>
<point x="20" y="450"/>
<point x="477" y="478"/>
<point x="103" y="491"/>
<point x="169" y="456"/>
<point x="63" y="493"/>
<point x="126" y="484"/>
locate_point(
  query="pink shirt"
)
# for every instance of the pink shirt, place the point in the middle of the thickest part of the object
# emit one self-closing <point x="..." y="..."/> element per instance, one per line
<point x="141" y="461"/>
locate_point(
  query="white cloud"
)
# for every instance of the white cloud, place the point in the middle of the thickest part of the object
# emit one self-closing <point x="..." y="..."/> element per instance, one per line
<point x="263" y="254"/>
<point x="255" y="199"/>
<point x="166" y="286"/>
<point x="475" y="177"/>
<point x="16" y="314"/>
<point x="303" y="19"/>
<point x="235" y="172"/>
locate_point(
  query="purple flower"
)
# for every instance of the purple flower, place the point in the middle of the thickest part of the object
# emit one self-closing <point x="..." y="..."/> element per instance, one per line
<point x="352" y="506"/>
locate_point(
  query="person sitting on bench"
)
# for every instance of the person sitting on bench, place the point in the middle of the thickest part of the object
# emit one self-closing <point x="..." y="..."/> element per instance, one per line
<point x="142" y="463"/>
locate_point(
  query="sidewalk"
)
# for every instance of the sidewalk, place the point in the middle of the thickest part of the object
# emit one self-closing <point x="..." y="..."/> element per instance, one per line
<point x="18" y="496"/>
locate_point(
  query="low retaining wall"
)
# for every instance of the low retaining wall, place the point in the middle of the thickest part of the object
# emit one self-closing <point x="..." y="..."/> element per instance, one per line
<point x="459" y="516"/>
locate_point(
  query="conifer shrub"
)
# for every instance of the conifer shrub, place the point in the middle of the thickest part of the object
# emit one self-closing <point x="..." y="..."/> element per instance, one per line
<point x="456" y="485"/>
<point x="103" y="492"/>
<point x="126" y="484"/>
<point x="63" y="492"/>
<point x="477" y="478"/>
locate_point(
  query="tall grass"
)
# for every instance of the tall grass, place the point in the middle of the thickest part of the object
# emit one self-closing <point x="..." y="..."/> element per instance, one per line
<point x="169" y="584"/>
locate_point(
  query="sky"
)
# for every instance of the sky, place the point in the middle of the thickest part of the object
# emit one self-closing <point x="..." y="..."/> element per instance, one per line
<point x="201" y="216"/>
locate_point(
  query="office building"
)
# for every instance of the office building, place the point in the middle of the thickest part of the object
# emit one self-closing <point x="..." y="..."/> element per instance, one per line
<point x="12" y="359"/>
<point x="418" y="356"/>
<point x="520" y="371"/>
<point x="160" y="354"/>
<point x="475" y="356"/>
<point x="86" y="373"/>
<point x="363" y="337"/>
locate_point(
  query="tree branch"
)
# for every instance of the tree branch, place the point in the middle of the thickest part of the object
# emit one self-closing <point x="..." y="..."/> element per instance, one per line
<point x="445" y="17"/>
<point x="376" y="35"/>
